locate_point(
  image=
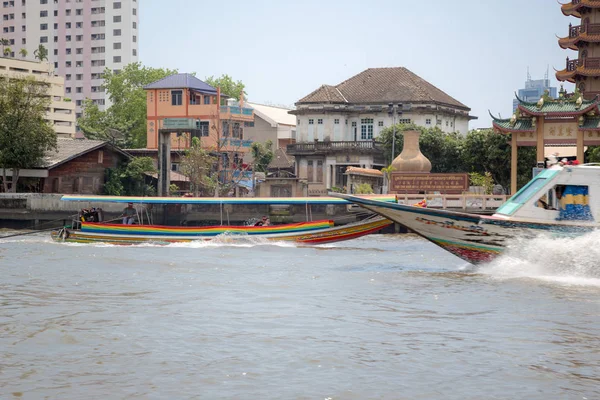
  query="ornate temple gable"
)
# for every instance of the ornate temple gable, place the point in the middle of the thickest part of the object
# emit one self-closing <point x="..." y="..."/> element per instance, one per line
<point x="513" y="124"/>
<point x="560" y="108"/>
<point x="577" y="114"/>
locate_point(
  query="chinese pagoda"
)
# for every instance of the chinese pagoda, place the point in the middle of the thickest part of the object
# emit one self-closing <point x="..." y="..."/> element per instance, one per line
<point x="569" y="120"/>
<point x="585" y="39"/>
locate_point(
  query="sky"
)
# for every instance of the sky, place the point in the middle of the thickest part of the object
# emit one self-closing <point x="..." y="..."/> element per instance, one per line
<point x="477" y="51"/>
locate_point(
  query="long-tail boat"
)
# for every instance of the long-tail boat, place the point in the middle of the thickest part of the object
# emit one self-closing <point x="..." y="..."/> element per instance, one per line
<point x="309" y="232"/>
<point x="562" y="201"/>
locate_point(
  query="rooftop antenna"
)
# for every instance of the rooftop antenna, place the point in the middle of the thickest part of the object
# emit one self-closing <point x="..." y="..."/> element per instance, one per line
<point x="528" y="75"/>
<point x="547" y="70"/>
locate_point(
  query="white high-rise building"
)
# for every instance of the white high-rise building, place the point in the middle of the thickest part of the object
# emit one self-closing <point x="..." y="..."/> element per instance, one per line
<point x="83" y="37"/>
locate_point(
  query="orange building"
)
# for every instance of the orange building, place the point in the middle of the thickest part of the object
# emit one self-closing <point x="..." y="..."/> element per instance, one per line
<point x="183" y="96"/>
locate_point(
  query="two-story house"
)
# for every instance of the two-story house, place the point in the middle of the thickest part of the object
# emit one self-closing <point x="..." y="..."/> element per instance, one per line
<point x="183" y="96"/>
<point x="337" y="126"/>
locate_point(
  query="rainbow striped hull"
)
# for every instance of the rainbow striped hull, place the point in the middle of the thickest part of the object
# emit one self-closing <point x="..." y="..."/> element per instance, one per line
<point x="317" y="232"/>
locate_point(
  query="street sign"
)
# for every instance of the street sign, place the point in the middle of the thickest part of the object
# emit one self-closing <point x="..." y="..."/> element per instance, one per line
<point x="179" y="123"/>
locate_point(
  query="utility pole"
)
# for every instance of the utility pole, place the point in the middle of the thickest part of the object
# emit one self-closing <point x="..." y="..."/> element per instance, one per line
<point x="392" y="113"/>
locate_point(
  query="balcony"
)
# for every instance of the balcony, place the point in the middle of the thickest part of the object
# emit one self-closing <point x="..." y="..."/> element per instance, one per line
<point x="588" y="63"/>
<point x="590" y="29"/>
<point x="236" y="143"/>
<point x="237" y="113"/>
<point x="236" y="110"/>
<point x="366" y="146"/>
<point x="572" y="64"/>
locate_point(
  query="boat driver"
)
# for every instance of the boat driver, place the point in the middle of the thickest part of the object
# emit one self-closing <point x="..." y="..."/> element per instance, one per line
<point x="128" y="214"/>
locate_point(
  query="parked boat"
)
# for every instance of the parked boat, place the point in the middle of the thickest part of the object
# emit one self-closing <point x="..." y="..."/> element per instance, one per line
<point x="310" y="232"/>
<point x="559" y="201"/>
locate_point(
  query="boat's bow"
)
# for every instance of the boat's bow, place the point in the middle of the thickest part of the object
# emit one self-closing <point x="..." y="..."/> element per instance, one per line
<point x="462" y="234"/>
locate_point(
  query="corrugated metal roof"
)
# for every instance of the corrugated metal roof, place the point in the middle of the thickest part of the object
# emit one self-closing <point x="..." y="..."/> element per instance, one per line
<point x="278" y="115"/>
<point x="182" y="81"/>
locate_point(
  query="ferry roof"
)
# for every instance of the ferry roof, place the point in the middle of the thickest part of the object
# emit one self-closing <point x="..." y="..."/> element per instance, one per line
<point x="222" y="200"/>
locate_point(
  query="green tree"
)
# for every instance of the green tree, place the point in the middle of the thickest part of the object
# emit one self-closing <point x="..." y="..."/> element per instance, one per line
<point x="7" y="51"/>
<point x="526" y="161"/>
<point x="198" y="165"/>
<point x="25" y="136"/>
<point x="124" y="122"/>
<point x="41" y="53"/>
<point x="228" y="86"/>
<point x="130" y="179"/>
<point x="487" y="151"/>
<point x="134" y="176"/>
<point x="484" y="180"/>
<point x="364" y="188"/>
<point x="262" y="153"/>
<point x="3" y="43"/>
<point x="23" y="52"/>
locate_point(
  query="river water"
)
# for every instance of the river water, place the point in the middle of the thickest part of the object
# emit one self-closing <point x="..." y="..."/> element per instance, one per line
<point x="382" y="317"/>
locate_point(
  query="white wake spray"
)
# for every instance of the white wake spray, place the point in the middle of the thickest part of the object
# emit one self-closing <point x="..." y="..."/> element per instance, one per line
<point x="566" y="260"/>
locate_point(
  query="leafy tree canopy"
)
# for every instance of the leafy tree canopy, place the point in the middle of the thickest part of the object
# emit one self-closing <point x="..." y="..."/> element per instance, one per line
<point x="25" y="136"/>
<point x="130" y="179"/>
<point x="262" y="154"/>
<point x="198" y="165"/>
<point x="41" y="53"/>
<point x="228" y="86"/>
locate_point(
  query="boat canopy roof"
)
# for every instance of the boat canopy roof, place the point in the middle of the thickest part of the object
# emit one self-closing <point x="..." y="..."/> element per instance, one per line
<point x="222" y="200"/>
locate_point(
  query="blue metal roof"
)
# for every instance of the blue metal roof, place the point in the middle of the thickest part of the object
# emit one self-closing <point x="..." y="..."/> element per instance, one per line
<point x="182" y="81"/>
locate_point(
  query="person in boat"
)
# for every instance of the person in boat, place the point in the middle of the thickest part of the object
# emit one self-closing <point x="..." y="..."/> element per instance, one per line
<point x="264" y="221"/>
<point x="128" y="214"/>
<point x="91" y="215"/>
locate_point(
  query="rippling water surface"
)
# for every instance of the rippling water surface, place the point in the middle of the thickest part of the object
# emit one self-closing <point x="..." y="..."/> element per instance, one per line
<point x="383" y="317"/>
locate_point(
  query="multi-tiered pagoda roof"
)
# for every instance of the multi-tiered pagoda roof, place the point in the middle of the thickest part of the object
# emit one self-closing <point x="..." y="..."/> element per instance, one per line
<point x="581" y="38"/>
<point x="578" y="7"/>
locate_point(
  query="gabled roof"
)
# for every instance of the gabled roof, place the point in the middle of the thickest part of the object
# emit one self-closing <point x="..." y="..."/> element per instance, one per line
<point x="382" y="85"/>
<point x="68" y="149"/>
<point x="281" y="160"/>
<point x="182" y="81"/>
<point x="274" y="115"/>
<point x="324" y="94"/>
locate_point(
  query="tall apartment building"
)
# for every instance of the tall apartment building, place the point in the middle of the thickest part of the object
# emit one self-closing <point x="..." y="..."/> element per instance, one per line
<point x="61" y="112"/>
<point x="83" y="37"/>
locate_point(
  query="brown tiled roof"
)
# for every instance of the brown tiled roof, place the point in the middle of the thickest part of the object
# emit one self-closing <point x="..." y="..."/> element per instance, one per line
<point x="281" y="160"/>
<point x="324" y="94"/>
<point x="68" y="149"/>
<point x="382" y="85"/>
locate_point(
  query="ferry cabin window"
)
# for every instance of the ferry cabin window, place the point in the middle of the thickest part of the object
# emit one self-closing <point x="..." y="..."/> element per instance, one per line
<point x="547" y="200"/>
<point x="528" y="191"/>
